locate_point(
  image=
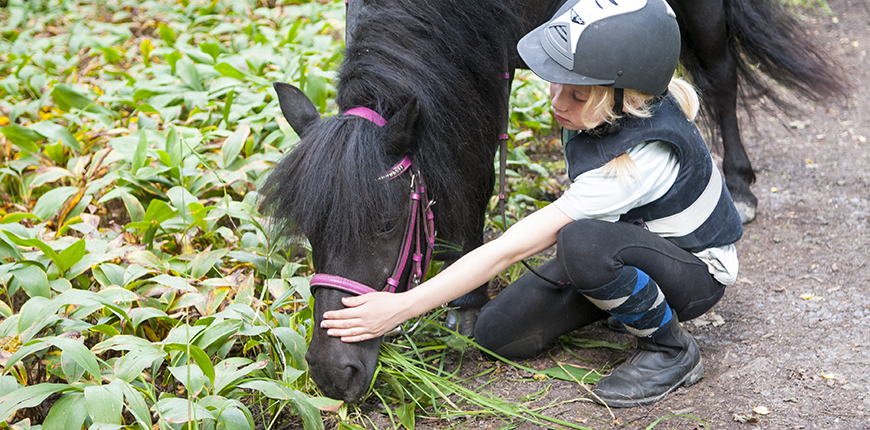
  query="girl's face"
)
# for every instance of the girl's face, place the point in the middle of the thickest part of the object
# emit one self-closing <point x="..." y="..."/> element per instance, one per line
<point x="568" y="102"/>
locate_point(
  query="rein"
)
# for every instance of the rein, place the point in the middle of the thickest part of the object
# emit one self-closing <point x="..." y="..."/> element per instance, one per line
<point x="418" y="241"/>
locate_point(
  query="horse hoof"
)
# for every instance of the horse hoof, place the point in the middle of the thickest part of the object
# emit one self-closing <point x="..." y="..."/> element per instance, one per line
<point x="462" y="321"/>
<point x="746" y="211"/>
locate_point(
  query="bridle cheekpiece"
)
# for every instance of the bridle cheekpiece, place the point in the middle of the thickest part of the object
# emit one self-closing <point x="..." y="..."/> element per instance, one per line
<point x="418" y="241"/>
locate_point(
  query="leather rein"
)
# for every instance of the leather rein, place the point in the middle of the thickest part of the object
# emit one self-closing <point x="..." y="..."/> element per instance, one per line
<point x="418" y="241"/>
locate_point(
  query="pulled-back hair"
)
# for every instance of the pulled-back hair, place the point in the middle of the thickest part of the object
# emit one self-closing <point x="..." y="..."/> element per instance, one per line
<point x="638" y="104"/>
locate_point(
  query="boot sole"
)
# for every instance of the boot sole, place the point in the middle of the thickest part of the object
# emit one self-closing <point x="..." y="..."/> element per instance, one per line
<point x="690" y="379"/>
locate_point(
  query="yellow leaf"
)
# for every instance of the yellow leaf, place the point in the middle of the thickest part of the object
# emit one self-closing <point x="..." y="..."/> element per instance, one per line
<point x="761" y="410"/>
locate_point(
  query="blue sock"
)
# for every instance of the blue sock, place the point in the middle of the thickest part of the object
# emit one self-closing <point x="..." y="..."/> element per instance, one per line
<point x="635" y="300"/>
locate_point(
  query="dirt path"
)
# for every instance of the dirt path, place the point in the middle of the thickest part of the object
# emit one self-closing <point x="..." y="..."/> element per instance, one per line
<point x="792" y="347"/>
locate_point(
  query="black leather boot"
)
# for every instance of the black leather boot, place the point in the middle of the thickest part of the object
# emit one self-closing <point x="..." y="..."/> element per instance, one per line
<point x="662" y="363"/>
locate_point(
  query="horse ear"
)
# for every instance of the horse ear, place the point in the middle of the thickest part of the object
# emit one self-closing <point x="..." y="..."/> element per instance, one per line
<point x="402" y="127"/>
<point x="296" y="107"/>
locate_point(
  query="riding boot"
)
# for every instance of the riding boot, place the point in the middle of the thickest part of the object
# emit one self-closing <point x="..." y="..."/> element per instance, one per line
<point x="664" y="361"/>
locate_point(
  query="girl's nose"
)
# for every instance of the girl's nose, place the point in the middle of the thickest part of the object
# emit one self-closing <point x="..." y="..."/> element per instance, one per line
<point x="556" y="99"/>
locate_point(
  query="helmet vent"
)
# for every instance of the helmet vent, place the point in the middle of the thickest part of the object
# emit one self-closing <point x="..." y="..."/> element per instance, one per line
<point x="561" y="31"/>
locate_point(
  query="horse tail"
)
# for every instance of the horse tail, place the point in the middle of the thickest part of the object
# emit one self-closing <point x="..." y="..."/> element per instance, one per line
<point x="766" y="36"/>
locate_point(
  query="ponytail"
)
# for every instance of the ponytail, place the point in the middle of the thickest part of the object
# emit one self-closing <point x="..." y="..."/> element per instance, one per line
<point x="636" y="104"/>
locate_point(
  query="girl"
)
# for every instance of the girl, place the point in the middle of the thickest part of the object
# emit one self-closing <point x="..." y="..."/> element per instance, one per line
<point x="645" y="232"/>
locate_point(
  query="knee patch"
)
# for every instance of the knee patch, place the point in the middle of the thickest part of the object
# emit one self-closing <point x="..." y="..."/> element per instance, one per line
<point x="635" y="300"/>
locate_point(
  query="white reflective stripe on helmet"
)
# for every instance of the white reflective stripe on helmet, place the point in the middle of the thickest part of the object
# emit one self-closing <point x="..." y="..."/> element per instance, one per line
<point x="687" y="221"/>
<point x="563" y="32"/>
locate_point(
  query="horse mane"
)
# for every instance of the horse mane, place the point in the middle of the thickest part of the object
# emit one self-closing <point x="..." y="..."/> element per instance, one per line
<point x="449" y="55"/>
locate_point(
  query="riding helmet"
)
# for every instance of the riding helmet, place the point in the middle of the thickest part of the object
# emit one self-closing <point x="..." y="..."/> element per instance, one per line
<point x="631" y="44"/>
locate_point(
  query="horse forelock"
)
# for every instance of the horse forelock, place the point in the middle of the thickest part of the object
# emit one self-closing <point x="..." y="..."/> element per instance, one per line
<point x="327" y="187"/>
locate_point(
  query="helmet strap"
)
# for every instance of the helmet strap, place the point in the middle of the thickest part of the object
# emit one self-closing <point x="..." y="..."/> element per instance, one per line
<point x="618" y="94"/>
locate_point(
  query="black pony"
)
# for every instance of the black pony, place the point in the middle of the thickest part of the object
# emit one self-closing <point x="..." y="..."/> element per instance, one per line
<point x="439" y="73"/>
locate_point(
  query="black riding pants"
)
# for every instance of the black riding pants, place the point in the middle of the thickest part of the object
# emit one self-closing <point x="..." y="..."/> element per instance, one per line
<point x="531" y="313"/>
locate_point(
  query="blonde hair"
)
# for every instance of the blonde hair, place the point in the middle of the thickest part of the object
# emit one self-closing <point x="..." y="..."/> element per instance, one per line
<point x="599" y="106"/>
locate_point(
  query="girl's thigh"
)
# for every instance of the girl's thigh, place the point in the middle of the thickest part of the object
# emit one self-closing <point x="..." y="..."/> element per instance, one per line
<point x="592" y="254"/>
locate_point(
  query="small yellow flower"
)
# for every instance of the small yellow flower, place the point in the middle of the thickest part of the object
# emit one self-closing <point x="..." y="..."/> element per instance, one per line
<point x="98" y="90"/>
<point x="4" y="121"/>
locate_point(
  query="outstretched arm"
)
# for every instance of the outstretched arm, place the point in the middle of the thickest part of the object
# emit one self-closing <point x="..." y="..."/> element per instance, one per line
<point x="371" y="315"/>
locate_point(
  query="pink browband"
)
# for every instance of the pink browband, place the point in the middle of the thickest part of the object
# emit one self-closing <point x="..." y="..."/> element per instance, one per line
<point x="364" y="112"/>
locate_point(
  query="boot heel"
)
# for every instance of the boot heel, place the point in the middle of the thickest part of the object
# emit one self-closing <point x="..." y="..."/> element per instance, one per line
<point x="695" y="375"/>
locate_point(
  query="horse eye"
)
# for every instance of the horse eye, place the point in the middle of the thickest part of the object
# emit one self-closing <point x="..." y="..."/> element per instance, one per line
<point x="387" y="227"/>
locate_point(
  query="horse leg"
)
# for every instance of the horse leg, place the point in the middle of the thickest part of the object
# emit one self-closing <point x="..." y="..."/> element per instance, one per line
<point x="463" y="315"/>
<point x="712" y="63"/>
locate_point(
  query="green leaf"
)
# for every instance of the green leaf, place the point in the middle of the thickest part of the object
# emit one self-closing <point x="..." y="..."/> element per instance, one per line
<point x="180" y="411"/>
<point x="24" y="138"/>
<point x="78" y="353"/>
<point x="159" y="211"/>
<point x="204" y="262"/>
<point x="191" y="377"/>
<point x="294" y="344"/>
<point x="51" y="202"/>
<point x="229" y="71"/>
<point x="48" y="175"/>
<point x="134" y="208"/>
<point x="174" y="282"/>
<point x="233" y="145"/>
<point x="138" y="315"/>
<point x="226" y="374"/>
<point x="211" y="48"/>
<point x="311" y="419"/>
<point x="136" y="405"/>
<point x="72" y="372"/>
<point x="234" y="419"/>
<point x="167" y="34"/>
<point x="28" y="397"/>
<point x="42" y="246"/>
<point x="141" y="152"/>
<point x="71" y="255"/>
<point x="186" y="70"/>
<point x="57" y="132"/>
<point x="203" y="361"/>
<point x="33" y="280"/>
<point x="569" y="372"/>
<point x="104" y="403"/>
<point x="5" y="310"/>
<point x="67" y="98"/>
<point x="228" y="104"/>
<point x="405" y="413"/>
<point x="8" y="384"/>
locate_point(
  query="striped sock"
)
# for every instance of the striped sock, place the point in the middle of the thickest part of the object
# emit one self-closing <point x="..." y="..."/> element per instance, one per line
<point x="635" y="300"/>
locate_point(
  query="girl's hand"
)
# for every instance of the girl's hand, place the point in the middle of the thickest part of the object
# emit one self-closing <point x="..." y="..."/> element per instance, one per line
<point x="366" y="317"/>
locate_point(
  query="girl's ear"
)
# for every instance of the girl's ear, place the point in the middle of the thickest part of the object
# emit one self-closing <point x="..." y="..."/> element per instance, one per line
<point x="401" y="129"/>
<point x="296" y="107"/>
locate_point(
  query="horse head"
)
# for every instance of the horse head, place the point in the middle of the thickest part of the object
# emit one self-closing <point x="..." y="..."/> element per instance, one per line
<point x="344" y="188"/>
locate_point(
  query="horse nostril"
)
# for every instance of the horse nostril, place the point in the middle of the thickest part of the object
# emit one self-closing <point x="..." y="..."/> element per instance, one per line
<point x="342" y="379"/>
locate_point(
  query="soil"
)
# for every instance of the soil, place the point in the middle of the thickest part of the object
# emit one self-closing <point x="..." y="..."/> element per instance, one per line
<point x="788" y="347"/>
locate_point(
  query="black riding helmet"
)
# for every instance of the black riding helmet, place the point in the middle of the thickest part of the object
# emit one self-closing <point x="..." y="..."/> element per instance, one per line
<point x="633" y="44"/>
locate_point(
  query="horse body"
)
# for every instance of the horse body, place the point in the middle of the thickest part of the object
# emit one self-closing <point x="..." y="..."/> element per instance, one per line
<point x="436" y="72"/>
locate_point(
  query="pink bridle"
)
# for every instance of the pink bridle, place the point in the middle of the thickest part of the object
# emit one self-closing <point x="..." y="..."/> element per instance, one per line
<point x="419" y="229"/>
